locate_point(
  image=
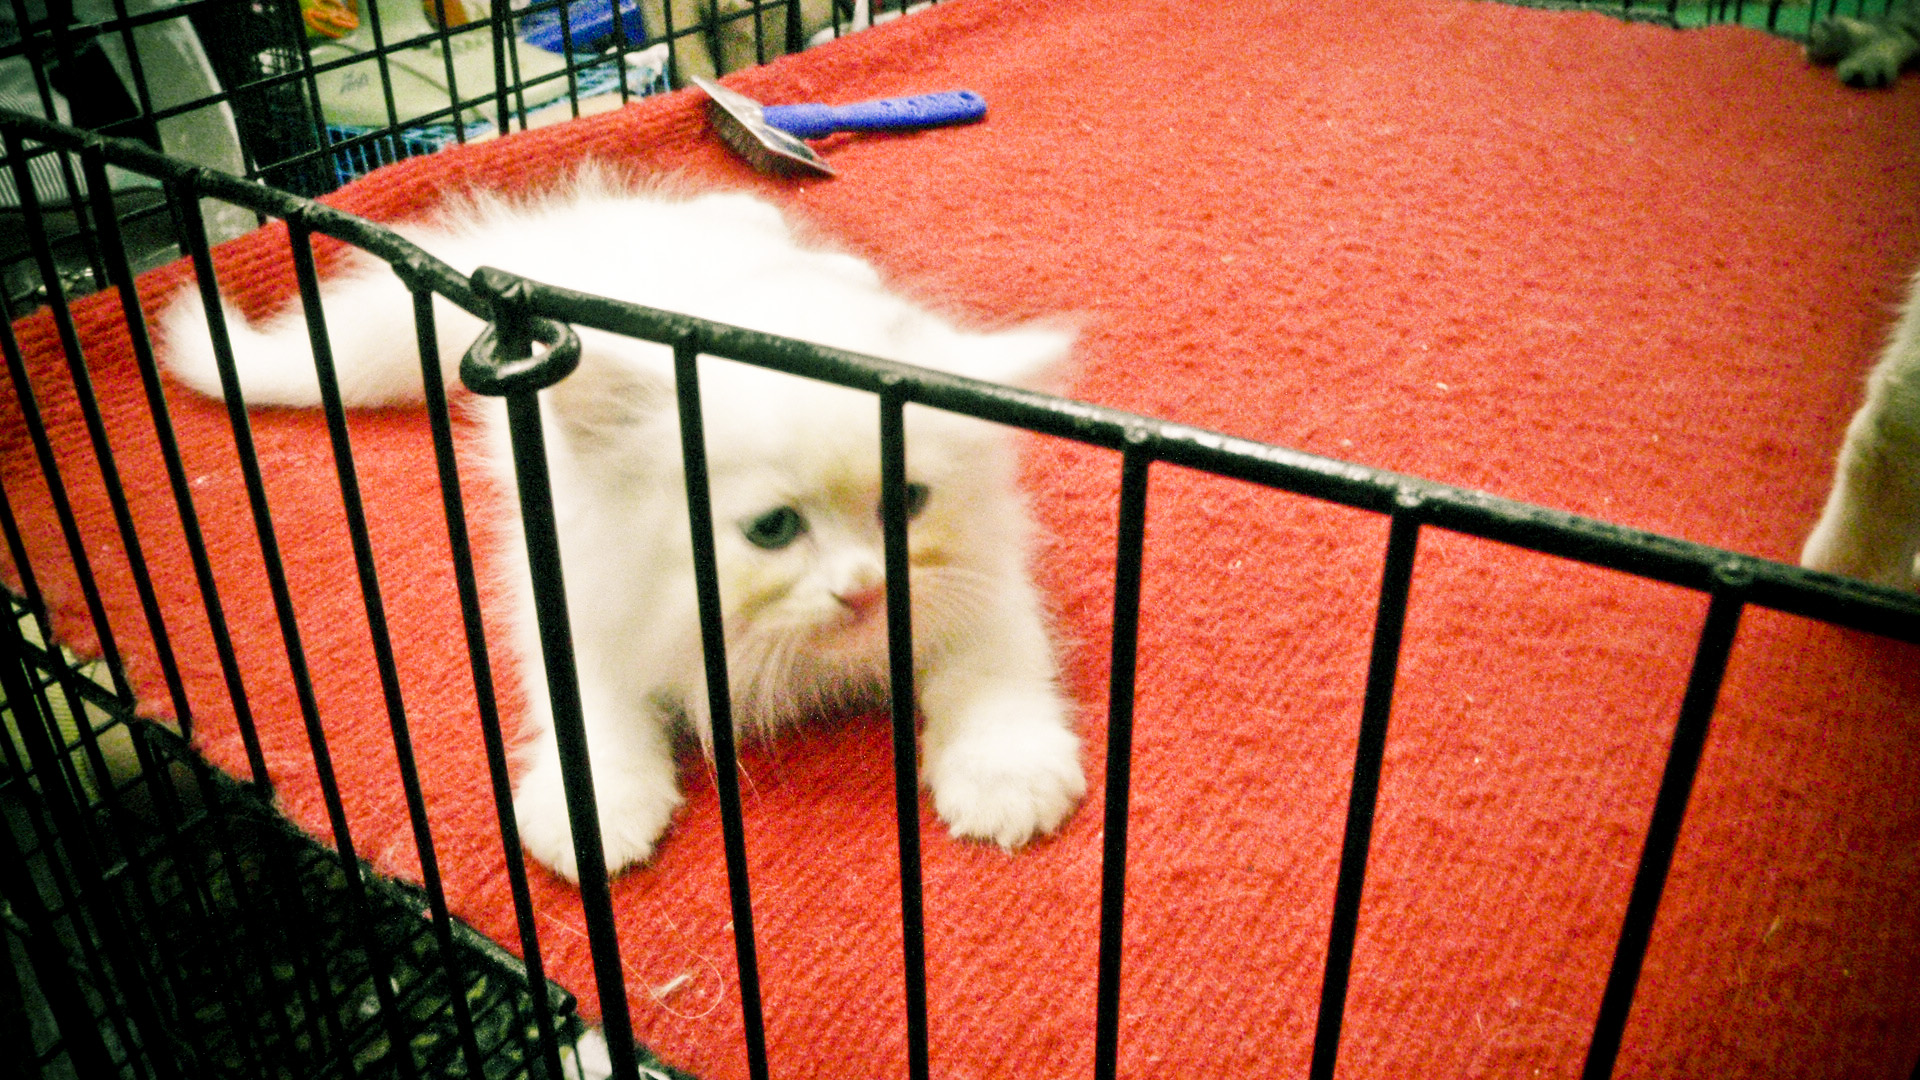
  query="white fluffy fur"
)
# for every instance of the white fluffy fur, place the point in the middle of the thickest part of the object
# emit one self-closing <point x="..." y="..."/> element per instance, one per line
<point x="1871" y="526"/>
<point x="805" y="622"/>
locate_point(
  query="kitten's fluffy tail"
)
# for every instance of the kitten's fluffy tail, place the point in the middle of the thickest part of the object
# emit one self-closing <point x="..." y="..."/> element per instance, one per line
<point x="370" y="331"/>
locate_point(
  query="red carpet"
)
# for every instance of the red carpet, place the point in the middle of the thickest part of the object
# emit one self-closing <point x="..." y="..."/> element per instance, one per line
<point x="1613" y="269"/>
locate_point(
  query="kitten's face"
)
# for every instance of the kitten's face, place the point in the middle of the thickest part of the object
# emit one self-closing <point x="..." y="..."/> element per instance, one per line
<point x="800" y="547"/>
<point x="794" y="478"/>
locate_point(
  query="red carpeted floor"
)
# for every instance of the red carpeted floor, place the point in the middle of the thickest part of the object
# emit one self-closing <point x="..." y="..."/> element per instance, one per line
<point x="1609" y="268"/>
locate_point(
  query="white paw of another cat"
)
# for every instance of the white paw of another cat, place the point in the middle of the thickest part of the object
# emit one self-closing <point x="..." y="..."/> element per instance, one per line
<point x="1007" y="780"/>
<point x="633" y="815"/>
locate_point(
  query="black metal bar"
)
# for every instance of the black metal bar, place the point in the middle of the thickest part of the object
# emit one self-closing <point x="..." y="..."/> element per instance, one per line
<point x="194" y="891"/>
<point x="1128" y="558"/>
<point x="72" y="686"/>
<point x="46" y="831"/>
<point x="906" y="773"/>
<point x="1841" y="601"/>
<point x="563" y="686"/>
<point x="288" y="915"/>
<point x="194" y="233"/>
<point x="72" y="53"/>
<point x="516" y="79"/>
<point x="1395" y="585"/>
<point x="45" y="840"/>
<point x="63" y="324"/>
<point x="136" y="71"/>
<point x="382" y="48"/>
<point x="565" y="13"/>
<point x="181" y="191"/>
<point x="295" y="30"/>
<point x="87" y="737"/>
<point x="70" y="683"/>
<point x="201" y="256"/>
<point x="437" y="26"/>
<point x="86" y="1049"/>
<point x="389" y="670"/>
<point x="67" y="810"/>
<point x="713" y="643"/>
<point x="1663" y="832"/>
<point x="623" y="46"/>
<point x="16" y="1029"/>
<point x="400" y="1049"/>
<point x="510" y="336"/>
<point x="485" y="699"/>
<point x="254" y="915"/>
<point x="120" y="275"/>
<point x="672" y="37"/>
<point x="29" y="582"/>
<point x="39" y="43"/>
<point x="502" y="14"/>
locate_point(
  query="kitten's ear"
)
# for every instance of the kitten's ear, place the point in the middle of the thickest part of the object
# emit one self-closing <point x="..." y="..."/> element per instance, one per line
<point x="1032" y="357"/>
<point x="610" y="395"/>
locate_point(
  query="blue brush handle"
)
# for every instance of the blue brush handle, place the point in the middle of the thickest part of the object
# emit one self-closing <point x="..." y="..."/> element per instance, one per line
<point x="890" y="114"/>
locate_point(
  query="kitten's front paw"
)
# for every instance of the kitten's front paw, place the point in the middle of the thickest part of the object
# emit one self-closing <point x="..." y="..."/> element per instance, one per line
<point x="634" y="811"/>
<point x="1010" y="778"/>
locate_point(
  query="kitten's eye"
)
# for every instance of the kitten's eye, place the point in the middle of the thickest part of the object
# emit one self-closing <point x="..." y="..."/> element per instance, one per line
<point x="775" y="529"/>
<point x="917" y="499"/>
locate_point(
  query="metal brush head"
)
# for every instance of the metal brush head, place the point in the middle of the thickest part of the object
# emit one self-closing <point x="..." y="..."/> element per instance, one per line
<point x="744" y="129"/>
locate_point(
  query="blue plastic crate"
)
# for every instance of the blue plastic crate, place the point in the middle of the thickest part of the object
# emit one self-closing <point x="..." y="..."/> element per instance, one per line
<point x="591" y="23"/>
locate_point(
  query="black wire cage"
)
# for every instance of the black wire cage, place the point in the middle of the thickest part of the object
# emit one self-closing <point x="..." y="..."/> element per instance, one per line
<point x="162" y="920"/>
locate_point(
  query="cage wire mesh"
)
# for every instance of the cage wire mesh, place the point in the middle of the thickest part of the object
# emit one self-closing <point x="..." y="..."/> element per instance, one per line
<point x="164" y="920"/>
<point x="307" y="95"/>
<point x="160" y="918"/>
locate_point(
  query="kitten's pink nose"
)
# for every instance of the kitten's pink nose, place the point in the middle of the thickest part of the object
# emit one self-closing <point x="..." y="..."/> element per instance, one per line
<point x="864" y="600"/>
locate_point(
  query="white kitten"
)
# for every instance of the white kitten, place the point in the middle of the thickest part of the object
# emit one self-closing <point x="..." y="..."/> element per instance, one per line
<point x="1871" y="526"/>
<point x="795" y="487"/>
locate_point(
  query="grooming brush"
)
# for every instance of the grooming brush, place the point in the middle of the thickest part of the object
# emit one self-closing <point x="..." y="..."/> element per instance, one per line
<point x="769" y="137"/>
